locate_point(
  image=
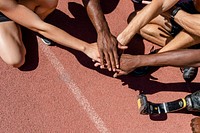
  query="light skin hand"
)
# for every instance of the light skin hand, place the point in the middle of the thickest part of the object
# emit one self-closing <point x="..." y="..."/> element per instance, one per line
<point x="92" y="51"/>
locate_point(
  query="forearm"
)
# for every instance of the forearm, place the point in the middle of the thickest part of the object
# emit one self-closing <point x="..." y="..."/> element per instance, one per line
<point x="189" y="22"/>
<point x="96" y="15"/>
<point x="144" y="17"/>
<point x="178" y="58"/>
<point x="31" y="21"/>
<point x="61" y="37"/>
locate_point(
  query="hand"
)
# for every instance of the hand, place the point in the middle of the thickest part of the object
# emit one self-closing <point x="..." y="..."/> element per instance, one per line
<point x="92" y="52"/>
<point x="107" y="45"/>
<point x="128" y="63"/>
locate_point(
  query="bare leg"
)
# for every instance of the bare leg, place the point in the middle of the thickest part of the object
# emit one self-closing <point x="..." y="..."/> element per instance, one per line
<point x="41" y="7"/>
<point x="45" y="7"/>
<point x="157" y="31"/>
<point x="181" y="41"/>
<point x="12" y="49"/>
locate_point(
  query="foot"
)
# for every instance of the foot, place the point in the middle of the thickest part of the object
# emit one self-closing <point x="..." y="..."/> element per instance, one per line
<point x="195" y="125"/>
<point x="189" y="73"/>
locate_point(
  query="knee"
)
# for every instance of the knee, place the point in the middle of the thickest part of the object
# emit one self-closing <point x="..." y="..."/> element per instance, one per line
<point x="16" y="62"/>
<point x="51" y="4"/>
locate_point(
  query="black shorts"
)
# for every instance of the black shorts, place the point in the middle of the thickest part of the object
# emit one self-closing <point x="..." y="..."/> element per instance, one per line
<point x="3" y="18"/>
<point x="187" y="7"/>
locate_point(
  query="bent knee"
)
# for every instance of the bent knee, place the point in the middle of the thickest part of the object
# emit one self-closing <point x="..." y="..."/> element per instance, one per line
<point x="15" y="62"/>
<point x="51" y="4"/>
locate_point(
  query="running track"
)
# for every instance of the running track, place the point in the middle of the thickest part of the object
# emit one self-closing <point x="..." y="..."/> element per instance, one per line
<point x="59" y="90"/>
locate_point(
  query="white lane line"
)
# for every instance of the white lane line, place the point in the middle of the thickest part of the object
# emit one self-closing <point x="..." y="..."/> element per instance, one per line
<point x="94" y="117"/>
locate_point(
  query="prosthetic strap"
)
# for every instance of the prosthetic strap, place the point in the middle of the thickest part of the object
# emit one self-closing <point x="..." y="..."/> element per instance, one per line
<point x="147" y="107"/>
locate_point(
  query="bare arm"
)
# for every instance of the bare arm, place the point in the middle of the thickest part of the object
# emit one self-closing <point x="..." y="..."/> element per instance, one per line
<point x="27" y="18"/>
<point x="107" y="43"/>
<point x="177" y="58"/>
<point x="149" y="12"/>
<point x="189" y="22"/>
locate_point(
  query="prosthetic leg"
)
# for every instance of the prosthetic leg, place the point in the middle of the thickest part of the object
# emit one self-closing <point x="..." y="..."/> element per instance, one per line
<point x="191" y="102"/>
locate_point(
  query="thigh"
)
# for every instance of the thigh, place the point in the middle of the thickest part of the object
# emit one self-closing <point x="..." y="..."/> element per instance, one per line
<point x="45" y="7"/>
<point x="41" y="7"/>
<point x="12" y="49"/>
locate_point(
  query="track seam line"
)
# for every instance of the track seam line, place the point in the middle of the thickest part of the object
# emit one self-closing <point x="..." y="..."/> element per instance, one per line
<point x="81" y="99"/>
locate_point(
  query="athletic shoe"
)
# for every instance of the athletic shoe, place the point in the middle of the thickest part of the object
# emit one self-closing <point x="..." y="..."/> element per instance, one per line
<point x="189" y="73"/>
<point x="46" y="41"/>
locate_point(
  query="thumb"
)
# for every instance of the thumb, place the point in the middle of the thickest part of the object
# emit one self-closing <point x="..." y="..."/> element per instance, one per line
<point x="119" y="73"/>
<point x="120" y="46"/>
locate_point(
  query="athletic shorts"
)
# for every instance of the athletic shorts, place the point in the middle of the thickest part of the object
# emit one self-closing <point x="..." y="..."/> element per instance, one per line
<point x="3" y="18"/>
<point x="187" y="7"/>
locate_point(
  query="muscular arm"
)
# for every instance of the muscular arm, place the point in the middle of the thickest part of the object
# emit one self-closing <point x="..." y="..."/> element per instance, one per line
<point x="96" y="15"/>
<point x="189" y="22"/>
<point x="27" y="18"/>
<point x="107" y="43"/>
<point x="177" y="58"/>
<point x="145" y="16"/>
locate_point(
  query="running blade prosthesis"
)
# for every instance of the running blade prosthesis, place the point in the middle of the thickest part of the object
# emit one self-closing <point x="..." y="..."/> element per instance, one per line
<point x="191" y="102"/>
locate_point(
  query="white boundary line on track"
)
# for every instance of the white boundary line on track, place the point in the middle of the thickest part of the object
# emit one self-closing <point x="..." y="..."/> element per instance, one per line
<point x="81" y="99"/>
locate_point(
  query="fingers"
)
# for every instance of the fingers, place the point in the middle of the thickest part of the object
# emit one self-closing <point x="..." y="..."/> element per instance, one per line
<point x="116" y="58"/>
<point x="119" y="73"/>
<point x="107" y="58"/>
<point x="97" y="64"/>
<point x="101" y="59"/>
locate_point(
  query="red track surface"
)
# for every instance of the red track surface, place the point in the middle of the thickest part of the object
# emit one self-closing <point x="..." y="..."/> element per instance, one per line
<point x="59" y="90"/>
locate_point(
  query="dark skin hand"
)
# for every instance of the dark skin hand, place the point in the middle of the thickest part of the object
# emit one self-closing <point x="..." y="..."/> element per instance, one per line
<point x="106" y="41"/>
<point x="128" y="63"/>
<point x="176" y="58"/>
